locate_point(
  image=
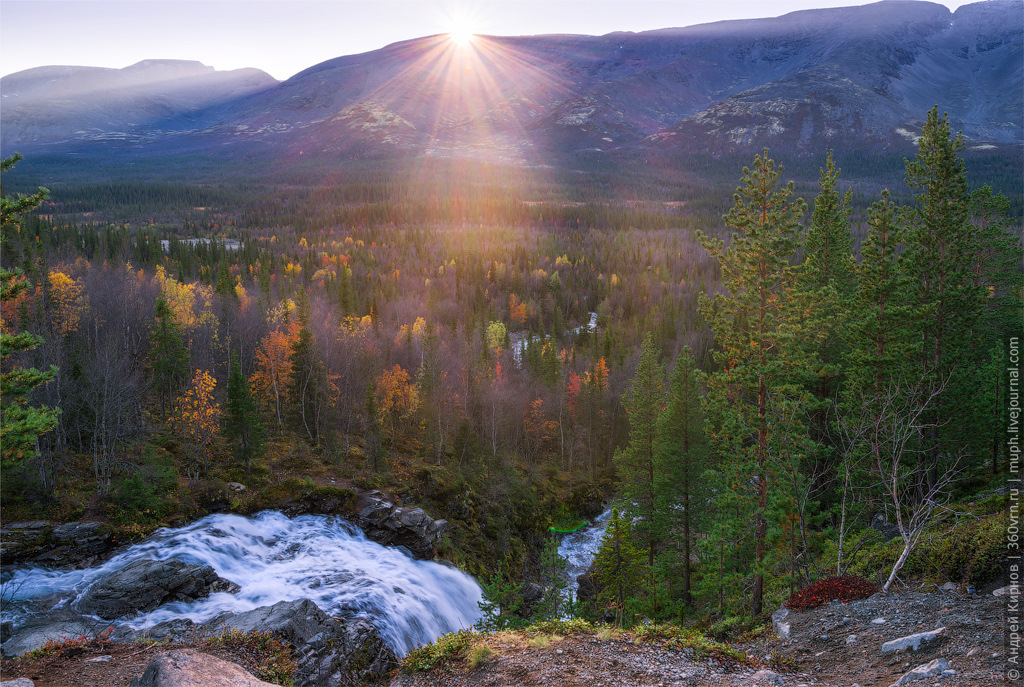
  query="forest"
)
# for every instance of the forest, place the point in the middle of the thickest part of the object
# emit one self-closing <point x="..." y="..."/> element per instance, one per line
<point x="755" y="380"/>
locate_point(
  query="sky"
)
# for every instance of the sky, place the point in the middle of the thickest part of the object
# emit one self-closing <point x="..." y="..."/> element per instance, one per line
<point x="283" y="37"/>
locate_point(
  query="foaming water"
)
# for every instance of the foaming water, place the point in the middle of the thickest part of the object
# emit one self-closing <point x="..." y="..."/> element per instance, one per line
<point x="275" y="558"/>
<point x="579" y="548"/>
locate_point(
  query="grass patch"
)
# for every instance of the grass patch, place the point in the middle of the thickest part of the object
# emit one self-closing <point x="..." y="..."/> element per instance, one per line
<point x="543" y="641"/>
<point x="479" y="654"/>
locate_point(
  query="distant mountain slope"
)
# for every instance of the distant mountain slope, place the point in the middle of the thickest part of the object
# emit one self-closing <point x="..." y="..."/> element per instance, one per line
<point x="847" y="78"/>
<point x="60" y="103"/>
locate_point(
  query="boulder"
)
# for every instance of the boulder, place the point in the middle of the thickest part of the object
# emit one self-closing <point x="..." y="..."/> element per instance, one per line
<point x="191" y="668"/>
<point x="888" y="530"/>
<point x="144" y="584"/>
<point x="356" y="655"/>
<point x="923" y="672"/>
<point x="22" y="540"/>
<point x="916" y="642"/>
<point x="1009" y="590"/>
<point x="765" y="677"/>
<point x="20" y="682"/>
<point x="32" y="637"/>
<point x="780" y="624"/>
<point x="329" y="651"/>
<point x="389" y="525"/>
<point x="296" y="622"/>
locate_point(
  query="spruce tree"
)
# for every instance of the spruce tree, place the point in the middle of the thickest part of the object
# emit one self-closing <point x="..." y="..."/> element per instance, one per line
<point x="168" y="356"/>
<point x="680" y="459"/>
<point x="824" y="301"/>
<point x="618" y="567"/>
<point x="242" y="424"/>
<point x="941" y="245"/>
<point x="636" y="463"/>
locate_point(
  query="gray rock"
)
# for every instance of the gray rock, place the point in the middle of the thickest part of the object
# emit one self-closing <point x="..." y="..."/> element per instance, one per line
<point x="949" y="587"/>
<point x="191" y="668"/>
<point x="852" y="639"/>
<point x="780" y="624"/>
<point x="296" y="622"/>
<point x="34" y="637"/>
<point x="922" y="672"/>
<point x="1009" y="590"/>
<point x="766" y="677"/>
<point x="20" y="682"/>
<point x="389" y="525"/>
<point x="916" y="642"/>
<point x="143" y="585"/>
<point x="329" y="651"/>
<point x="235" y="486"/>
<point x="22" y="540"/>
<point x="355" y="655"/>
<point x="100" y="659"/>
<point x="878" y="621"/>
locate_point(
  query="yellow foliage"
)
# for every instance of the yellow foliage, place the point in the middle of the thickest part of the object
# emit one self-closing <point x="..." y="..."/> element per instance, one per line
<point x="180" y="298"/>
<point x="67" y="295"/>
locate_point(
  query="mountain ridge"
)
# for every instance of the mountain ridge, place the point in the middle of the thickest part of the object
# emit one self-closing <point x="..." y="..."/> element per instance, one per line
<point x="854" y="78"/>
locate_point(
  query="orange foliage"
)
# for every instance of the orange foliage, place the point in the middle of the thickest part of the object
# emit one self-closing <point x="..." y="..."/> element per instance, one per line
<point x="397" y="398"/>
<point x="274" y="370"/>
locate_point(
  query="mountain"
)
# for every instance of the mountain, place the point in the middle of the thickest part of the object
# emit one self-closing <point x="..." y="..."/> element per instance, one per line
<point x="851" y="78"/>
<point x="61" y="103"/>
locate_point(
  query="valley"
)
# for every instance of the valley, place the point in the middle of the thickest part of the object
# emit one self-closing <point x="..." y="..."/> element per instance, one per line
<point x="553" y="359"/>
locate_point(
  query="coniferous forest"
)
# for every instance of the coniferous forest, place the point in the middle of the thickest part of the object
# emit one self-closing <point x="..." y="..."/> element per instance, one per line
<point x="755" y="380"/>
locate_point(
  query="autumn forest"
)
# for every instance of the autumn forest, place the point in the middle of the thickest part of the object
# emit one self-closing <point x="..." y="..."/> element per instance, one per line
<point x="752" y="379"/>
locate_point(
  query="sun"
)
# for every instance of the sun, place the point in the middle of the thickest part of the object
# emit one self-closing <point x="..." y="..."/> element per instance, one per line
<point x="461" y="28"/>
<point x="462" y="37"/>
<point x="461" y="33"/>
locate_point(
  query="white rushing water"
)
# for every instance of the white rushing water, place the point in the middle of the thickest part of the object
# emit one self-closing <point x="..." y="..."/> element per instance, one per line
<point x="579" y="548"/>
<point x="275" y="558"/>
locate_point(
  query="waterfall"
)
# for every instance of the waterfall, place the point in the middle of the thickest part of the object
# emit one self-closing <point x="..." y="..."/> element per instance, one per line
<point x="275" y="558"/>
<point x="579" y="548"/>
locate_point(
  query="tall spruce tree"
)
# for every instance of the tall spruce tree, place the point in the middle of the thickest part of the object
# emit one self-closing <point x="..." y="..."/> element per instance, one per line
<point x="941" y="244"/>
<point x="242" y="424"/>
<point x="826" y="289"/>
<point x="680" y="459"/>
<point x="637" y="462"/>
<point x="168" y="356"/>
<point x="755" y="344"/>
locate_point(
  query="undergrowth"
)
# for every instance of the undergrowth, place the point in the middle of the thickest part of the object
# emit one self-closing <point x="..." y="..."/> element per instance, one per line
<point x="263" y="653"/>
<point x="688" y="638"/>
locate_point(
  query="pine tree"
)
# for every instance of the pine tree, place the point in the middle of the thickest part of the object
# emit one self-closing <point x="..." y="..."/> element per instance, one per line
<point x="242" y="424"/>
<point x="751" y="323"/>
<point x="20" y="424"/>
<point x="680" y="459"/>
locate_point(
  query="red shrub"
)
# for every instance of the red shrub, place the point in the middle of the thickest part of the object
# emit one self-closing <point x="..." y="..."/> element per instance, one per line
<point x="845" y="588"/>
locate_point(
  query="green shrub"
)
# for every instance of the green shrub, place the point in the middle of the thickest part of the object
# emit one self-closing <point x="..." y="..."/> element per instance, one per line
<point x="445" y="651"/>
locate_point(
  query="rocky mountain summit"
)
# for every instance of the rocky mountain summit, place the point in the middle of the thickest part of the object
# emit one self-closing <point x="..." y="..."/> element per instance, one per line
<point x="846" y="78"/>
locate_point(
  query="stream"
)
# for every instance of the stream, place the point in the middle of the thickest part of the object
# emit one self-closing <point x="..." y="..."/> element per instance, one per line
<point x="579" y="548"/>
<point x="275" y="558"/>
